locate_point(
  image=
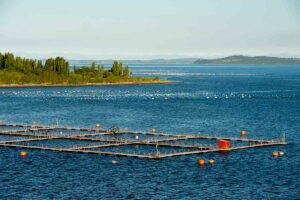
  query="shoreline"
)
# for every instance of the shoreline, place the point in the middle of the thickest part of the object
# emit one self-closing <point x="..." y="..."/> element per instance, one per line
<point x="84" y="84"/>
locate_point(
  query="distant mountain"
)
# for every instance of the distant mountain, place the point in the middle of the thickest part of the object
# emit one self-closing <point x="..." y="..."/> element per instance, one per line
<point x="152" y="61"/>
<point x="240" y="59"/>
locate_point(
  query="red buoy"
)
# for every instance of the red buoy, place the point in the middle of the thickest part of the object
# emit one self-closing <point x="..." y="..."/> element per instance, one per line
<point x="224" y="144"/>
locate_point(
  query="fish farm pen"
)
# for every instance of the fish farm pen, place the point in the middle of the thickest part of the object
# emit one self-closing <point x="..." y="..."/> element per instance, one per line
<point x="118" y="142"/>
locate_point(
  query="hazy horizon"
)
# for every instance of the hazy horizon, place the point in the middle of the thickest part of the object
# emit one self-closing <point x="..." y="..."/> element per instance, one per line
<point x="142" y="30"/>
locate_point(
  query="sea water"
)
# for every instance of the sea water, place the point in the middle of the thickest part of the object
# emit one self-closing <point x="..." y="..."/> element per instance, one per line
<point x="264" y="100"/>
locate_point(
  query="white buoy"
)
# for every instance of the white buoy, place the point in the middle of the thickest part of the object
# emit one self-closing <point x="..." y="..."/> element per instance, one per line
<point x="136" y="137"/>
<point x="114" y="162"/>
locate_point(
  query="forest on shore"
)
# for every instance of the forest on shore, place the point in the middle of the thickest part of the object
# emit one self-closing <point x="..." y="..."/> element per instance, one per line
<point x="21" y="71"/>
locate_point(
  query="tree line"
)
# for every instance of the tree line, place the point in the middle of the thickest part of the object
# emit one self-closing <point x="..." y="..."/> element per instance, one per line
<point x="100" y="72"/>
<point x="18" y="70"/>
<point x="9" y="62"/>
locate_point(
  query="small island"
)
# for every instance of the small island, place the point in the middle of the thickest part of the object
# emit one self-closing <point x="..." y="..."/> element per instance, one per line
<point x="20" y="72"/>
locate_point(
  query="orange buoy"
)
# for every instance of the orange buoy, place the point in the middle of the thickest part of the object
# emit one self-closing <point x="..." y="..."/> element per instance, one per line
<point x="153" y="130"/>
<point x="281" y="153"/>
<point x="97" y="125"/>
<point x="211" y="161"/>
<point x="243" y="133"/>
<point x="23" y="153"/>
<point x="114" y="162"/>
<point x="201" y="162"/>
<point x="275" y="154"/>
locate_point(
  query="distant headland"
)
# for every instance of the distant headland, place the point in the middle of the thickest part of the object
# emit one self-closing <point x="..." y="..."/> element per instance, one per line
<point x="23" y="72"/>
<point x="240" y="59"/>
<point x="235" y="59"/>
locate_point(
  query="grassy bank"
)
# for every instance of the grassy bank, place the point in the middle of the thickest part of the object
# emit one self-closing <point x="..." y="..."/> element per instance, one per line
<point x="128" y="82"/>
<point x="50" y="78"/>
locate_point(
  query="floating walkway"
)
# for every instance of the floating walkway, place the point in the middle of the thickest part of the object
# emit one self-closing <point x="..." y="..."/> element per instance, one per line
<point x="116" y="142"/>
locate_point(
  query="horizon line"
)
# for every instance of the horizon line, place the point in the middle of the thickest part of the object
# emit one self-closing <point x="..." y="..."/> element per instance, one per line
<point x="162" y="57"/>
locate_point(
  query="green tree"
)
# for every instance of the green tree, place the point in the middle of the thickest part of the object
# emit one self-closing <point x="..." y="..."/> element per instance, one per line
<point x="75" y="69"/>
<point x="1" y="61"/>
<point x="9" y="61"/>
<point x="116" y="68"/>
<point x="126" y="72"/>
<point x="93" y="66"/>
<point x="49" y="64"/>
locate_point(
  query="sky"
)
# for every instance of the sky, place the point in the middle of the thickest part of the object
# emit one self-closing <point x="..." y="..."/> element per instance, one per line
<point x="147" y="29"/>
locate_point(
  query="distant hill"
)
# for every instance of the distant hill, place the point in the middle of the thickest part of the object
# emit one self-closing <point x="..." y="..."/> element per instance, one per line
<point x="239" y="59"/>
<point x="236" y="59"/>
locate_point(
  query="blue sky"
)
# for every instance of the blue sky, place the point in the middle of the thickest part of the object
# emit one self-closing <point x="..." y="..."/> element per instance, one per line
<point x="140" y="29"/>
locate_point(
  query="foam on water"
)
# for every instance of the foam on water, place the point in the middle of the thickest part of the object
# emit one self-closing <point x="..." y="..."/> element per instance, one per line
<point x="172" y="73"/>
<point x="112" y="94"/>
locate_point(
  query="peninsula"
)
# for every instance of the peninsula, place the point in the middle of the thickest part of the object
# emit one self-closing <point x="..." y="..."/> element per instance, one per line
<point x="240" y="59"/>
<point x="21" y="72"/>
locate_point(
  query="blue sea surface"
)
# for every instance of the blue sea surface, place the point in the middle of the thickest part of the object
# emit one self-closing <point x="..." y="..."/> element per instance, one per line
<point x="264" y="100"/>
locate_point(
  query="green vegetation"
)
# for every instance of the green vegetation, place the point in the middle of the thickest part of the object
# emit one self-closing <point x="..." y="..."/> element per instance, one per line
<point x="21" y="71"/>
<point x="239" y="59"/>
